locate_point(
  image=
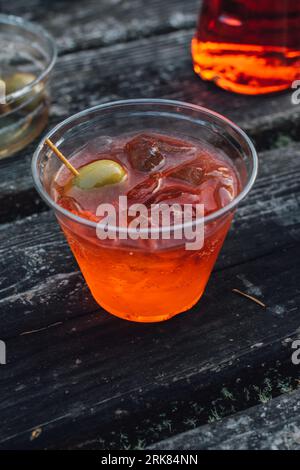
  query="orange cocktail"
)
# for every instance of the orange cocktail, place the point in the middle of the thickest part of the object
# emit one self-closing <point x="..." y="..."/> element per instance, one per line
<point x="149" y="279"/>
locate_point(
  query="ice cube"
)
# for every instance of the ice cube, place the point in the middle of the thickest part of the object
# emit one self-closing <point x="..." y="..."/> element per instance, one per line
<point x="174" y="195"/>
<point x="143" y="191"/>
<point x="144" y="153"/>
<point x="69" y="203"/>
<point x="224" y="196"/>
<point x="153" y="152"/>
<point x="192" y="174"/>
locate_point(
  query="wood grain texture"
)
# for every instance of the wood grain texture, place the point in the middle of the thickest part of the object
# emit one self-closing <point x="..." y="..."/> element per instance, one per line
<point x="38" y="270"/>
<point x="158" y="67"/>
<point x="80" y="376"/>
<point x="275" y="426"/>
<point x="78" y="25"/>
<point x="83" y="378"/>
<point x="90" y="380"/>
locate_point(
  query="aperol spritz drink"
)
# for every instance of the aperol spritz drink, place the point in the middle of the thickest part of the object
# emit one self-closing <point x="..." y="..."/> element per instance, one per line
<point x="153" y="279"/>
<point x="152" y="153"/>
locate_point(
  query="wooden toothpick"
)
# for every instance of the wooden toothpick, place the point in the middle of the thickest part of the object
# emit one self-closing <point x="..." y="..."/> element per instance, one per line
<point x="61" y="157"/>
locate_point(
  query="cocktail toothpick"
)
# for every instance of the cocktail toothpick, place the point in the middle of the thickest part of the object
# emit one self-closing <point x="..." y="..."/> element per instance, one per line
<point x="61" y="157"/>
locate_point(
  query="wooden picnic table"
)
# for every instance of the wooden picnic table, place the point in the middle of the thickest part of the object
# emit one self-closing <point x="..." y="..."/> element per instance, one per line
<point x="218" y="376"/>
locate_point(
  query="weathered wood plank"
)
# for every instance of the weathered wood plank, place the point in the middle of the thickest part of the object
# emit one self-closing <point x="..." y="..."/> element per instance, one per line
<point x="38" y="270"/>
<point x="159" y="67"/>
<point x="274" y="426"/>
<point x="83" y="379"/>
<point x="106" y="381"/>
<point x="77" y="373"/>
<point x="80" y="25"/>
<point x="167" y="57"/>
<point x="39" y="277"/>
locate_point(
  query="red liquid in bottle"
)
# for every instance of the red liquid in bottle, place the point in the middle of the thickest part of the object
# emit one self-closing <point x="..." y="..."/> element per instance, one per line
<point x="248" y="46"/>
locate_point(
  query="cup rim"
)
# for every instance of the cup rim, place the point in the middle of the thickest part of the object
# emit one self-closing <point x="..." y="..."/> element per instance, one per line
<point x="142" y="101"/>
<point x="40" y="32"/>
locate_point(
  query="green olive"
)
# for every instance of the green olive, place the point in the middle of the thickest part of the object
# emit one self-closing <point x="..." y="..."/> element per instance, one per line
<point x="19" y="80"/>
<point x="98" y="174"/>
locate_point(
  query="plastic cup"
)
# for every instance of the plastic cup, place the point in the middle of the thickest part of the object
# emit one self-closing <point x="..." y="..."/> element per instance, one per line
<point x="145" y="282"/>
<point x="27" y="57"/>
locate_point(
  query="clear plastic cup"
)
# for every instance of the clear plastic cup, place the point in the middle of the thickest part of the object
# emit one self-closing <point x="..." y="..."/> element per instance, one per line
<point x="137" y="281"/>
<point x="27" y="57"/>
